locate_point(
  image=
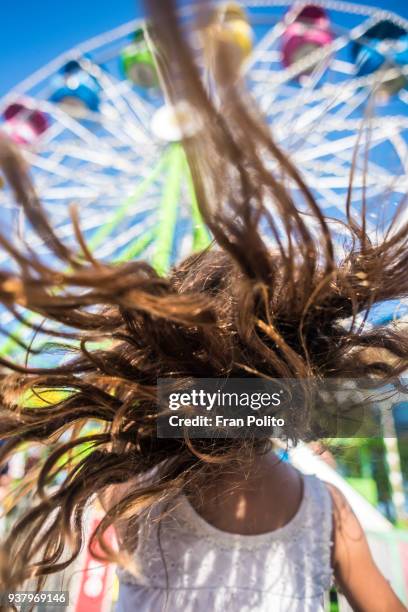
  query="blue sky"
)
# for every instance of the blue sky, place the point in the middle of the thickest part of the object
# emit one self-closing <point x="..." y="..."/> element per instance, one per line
<point x="33" y="32"/>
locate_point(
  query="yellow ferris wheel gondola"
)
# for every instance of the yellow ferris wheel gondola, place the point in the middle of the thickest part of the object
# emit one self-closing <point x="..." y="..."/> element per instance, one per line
<point x="228" y="39"/>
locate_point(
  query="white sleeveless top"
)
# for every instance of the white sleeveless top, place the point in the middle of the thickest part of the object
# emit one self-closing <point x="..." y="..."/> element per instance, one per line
<point x="188" y="565"/>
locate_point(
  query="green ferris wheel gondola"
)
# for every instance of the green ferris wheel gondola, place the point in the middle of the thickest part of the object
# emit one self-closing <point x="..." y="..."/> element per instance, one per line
<point x="138" y="62"/>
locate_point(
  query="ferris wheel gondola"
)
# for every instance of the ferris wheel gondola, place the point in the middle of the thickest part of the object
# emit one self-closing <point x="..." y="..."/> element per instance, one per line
<point x="75" y="88"/>
<point x="138" y="63"/>
<point x="24" y="125"/>
<point x="308" y="29"/>
<point x="384" y="44"/>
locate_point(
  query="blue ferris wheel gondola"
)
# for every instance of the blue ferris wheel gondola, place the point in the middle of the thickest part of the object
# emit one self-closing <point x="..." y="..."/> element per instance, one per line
<point x="74" y="86"/>
<point x="384" y="44"/>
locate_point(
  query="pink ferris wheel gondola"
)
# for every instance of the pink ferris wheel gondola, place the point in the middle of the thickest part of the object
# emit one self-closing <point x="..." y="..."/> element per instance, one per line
<point x="309" y="30"/>
<point x="24" y="125"/>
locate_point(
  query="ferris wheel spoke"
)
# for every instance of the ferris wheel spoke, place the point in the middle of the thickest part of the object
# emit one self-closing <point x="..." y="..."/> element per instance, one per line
<point x="122" y="125"/>
<point x="401" y="149"/>
<point x="341" y="171"/>
<point x="88" y="223"/>
<point x="140" y="190"/>
<point x="132" y="137"/>
<point x="354" y="102"/>
<point x="291" y="116"/>
<point x="125" y="242"/>
<point x="64" y="194"/>
<point x="138" y="245"/>
<point x="167" y="214"/>
<point x="54" y="132"/>
<point x="93" y="146"/>
<point x="89" y="220"/>
<point x="328" y="91"/>
<point x="53" y="194"/>
<point x="107" y="122"/>
<point x="136" y="116"/>
<point x="343" y="159"/>
<point x="55" y="167"/>
<point x="262" y="47"/>
<point x="67" y="121"/>
<point x="342" y="67"/>
<point x="333" y="109"/>
<point x="201" y="236"/>
<point x="142" y="108"/>
<point x="340" y="144"/>
<point x="66" y="162"/>
<point x="383" y="182"/>
<point x="99" y="158"/>
<point x="266" y="95"/>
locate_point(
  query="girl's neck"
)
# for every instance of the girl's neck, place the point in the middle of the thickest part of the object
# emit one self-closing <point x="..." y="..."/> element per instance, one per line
<point x="262" y="496"/>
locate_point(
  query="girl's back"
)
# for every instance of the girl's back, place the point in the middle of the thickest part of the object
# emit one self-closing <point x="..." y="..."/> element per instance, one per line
<point x="259" y="544"/>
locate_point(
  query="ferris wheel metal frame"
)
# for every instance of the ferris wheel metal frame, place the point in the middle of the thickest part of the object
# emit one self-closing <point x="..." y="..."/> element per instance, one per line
<point x="108" y="161"/>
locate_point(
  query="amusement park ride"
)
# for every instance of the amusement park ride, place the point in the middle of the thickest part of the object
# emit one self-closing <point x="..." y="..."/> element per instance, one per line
<point x="96" y="128"/>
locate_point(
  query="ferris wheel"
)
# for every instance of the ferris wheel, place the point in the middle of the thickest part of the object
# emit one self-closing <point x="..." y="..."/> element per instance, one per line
<point x="96" y="130"/>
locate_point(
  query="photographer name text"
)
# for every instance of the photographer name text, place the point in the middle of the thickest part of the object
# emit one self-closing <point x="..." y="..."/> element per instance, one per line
<point x="222" y="421"/>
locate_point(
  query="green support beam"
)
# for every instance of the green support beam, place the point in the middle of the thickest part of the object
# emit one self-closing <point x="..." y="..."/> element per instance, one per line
<point x="168" y="210"/>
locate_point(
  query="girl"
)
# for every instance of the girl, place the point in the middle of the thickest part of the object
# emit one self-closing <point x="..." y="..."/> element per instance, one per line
<point x="205" y="524"/>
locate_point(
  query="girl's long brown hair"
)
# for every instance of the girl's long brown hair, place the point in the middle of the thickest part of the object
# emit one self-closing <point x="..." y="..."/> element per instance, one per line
<point x="270" y="303"/>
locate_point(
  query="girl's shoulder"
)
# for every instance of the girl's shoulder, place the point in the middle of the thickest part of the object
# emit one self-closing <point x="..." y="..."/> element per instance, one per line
<point x="316" y="495"/>
<point x="317" y="504"/>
